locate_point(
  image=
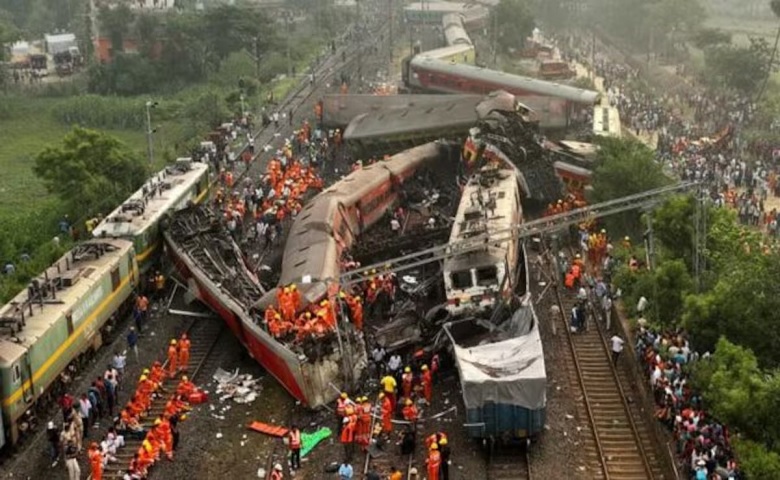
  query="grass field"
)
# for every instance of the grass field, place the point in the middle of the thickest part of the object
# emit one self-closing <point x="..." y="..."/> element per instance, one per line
<point x="22" y="136"/>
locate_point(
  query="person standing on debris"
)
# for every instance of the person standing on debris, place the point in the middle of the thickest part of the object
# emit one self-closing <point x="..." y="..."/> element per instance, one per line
<point x="173" y="355"/>
<point x="71" y="461"/>
<point x="444" y="449"/>
<point x="363" y="433"/>
<point x="341" y="409"/>
<point x="132" y="342"/>
<point x="388" y="387"/>
<point x="348" y="432"/>
<point x="184" y="352"/>
<point x="407" y="379"/>
<point x="294" y="437"/>
<point x="95" y="461"/>
<point x="433" y="462"/>
<point x="617" y="347"/>
<point x="426" y="378"/>
<point x="410" y="411"/>
<point x="387" y="413"/>
<point x="53" y="435"/>
<point x="159" y="284"/>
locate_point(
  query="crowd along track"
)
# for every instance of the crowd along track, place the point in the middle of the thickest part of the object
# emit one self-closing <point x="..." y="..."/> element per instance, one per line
<point x="619" y="453"/>
<point x="509" y="465"/>
<point x="203" y="334"/>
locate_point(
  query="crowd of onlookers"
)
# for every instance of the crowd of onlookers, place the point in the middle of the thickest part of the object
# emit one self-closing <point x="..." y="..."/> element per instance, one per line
<point x="701" y="441"/>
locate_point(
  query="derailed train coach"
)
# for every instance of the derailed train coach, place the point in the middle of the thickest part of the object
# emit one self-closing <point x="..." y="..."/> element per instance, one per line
<point x="503" y="377"/>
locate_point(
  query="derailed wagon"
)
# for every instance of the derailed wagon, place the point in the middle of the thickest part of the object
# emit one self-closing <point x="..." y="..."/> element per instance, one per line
<point x="503" y="377"/>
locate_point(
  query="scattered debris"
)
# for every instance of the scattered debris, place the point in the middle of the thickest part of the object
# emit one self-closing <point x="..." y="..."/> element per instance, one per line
<point x="240" y="388"/>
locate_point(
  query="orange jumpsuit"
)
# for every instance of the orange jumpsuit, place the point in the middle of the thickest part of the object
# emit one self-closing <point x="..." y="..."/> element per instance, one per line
<point x="387" y="415"/>
<point x="172" y="357"/>
<point x="427" y="384"/>
<point x="356" y="309"/>
<point x="406" y="384"/>
<point x="410" y="413"/>
<point x="363" y="436"/>
<point x="434" y="464"/>
<point x="96" y="463"/>
<point x="184" y="353"/>
<point x="164" y="431"/>
<point x="348" y="432"/>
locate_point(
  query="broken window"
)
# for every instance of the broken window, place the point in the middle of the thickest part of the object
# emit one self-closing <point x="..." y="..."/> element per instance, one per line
<point x="461" y="280"/>
<point x="487" y="276"/>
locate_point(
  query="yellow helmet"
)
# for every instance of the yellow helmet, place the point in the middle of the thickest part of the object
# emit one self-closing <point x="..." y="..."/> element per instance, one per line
<point x="424" y="368"/>
<point x="185" y="378"/>
<point x="344" y="395"/>
<point x="381" y="395"/>
<point x="408" y="401"/>
<point x="293" y="287"/>
<point x="143" y="378"/>
<point x="146" y="371"/>
<point x="434" y="446"/>
<point x="443" y="441"/>
<point x="157" y="422"/>
<point x="407" y="370"/>
<point x="342" y="294"/>
<point x="173" y="342"/>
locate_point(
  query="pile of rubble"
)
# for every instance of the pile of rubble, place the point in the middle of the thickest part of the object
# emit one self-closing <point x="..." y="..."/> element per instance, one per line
<point x="239" y="388"/>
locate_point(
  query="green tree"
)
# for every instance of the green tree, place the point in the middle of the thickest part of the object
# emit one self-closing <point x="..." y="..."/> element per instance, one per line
<point x="673" y="226"/>
<point x="743" y="306"/>
<point x="624" y="167"/>
<point x="514" y="23"/>
<point x="756" y="460"/>
<point x="740" y="68"/>
<point x="91" y="172"/>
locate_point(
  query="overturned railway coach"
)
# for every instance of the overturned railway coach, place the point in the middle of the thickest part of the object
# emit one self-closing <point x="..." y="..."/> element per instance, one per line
<point x="59" y="318"/>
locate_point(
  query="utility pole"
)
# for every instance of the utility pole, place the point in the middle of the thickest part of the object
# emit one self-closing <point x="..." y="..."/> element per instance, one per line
<point x="390" y="38"/>
<point x="149" y="131"/>
<point x="495" y="37"/>
<point x="257" y="57"/>
<point x="360" y="48"/>
<point x="287" y="15"/>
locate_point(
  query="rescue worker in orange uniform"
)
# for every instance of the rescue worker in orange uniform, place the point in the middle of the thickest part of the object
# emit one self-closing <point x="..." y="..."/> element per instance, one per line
<point x="184" y="352"/>
<point x="95" y="461"/>
<point x="433" y="462"/>
<point x="426" y="379"/>
<point x="341" y="408"/>
<point x="348" y="432"/>
<point x="157" y="374"/>
<point x="407" y="379"/>
<point x="173" y="356"/>
<point x="356" y="311"/>
<point x="410" y="411"/>
<point x="363" y="436"/>
<point x="163" y="429"/>
<point x="185" y="387"/>
<point x="295" y="296"/>
<point x="387" y="413"/>
<point x="287" y="305"/>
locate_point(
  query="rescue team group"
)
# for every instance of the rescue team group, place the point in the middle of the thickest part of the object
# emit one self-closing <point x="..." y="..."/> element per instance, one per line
<point x="159" y="436"/>
<point x="363" y="424"/>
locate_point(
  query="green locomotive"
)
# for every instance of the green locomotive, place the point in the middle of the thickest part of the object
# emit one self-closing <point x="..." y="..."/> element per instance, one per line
<point x="59" y="318"/>
<point x="138" y="218"/>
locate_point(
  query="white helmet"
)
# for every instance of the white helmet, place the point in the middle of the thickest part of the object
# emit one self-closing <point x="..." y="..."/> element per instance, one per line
<point x="278" y="467"/>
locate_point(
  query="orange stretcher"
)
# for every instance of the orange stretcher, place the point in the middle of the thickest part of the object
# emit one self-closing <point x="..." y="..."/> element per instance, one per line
<point x="268" y="429"/>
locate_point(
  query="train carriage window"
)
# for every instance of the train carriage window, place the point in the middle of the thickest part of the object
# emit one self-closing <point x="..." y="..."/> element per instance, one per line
<point x="115" y="278"/>
<point x="69" y="321"/>
<point x="461" y="280"/>
<point x="487" y="276"/>
<point x="17" y="373"/>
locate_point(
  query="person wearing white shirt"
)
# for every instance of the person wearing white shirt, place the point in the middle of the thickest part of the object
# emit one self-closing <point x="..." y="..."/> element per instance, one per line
<point x="617" y="347"/>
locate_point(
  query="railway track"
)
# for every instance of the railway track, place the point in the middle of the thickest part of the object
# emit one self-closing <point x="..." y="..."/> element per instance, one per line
<point x="382" y="460"/>
<point x="509" y="465"/>
<point x="619" y="453"/>
<point x="203" y="334"/>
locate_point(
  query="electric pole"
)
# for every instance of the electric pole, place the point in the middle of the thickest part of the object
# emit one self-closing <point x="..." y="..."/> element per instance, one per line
<point x="149" y="131"/>
<point x="360" y="48"/>
<point x="390" y="39"/>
